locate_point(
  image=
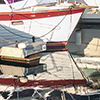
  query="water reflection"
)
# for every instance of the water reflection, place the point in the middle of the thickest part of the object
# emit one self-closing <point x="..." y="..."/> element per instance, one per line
<point x="94" y="76"/>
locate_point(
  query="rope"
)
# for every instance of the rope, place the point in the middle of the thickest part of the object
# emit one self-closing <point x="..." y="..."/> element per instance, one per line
<point x="47" y="32"/>
<point x="57" y="24"/>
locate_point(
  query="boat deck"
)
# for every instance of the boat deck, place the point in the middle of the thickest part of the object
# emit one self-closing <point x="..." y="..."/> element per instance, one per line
<point x="9" y="36"/>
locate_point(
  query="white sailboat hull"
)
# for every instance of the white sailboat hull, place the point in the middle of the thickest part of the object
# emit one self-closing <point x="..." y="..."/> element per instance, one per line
<point x="54" y="23"/>
<point x="48" y="28"/>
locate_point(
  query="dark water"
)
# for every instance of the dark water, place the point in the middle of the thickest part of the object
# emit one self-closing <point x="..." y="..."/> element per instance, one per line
<point x="55" y="95"/>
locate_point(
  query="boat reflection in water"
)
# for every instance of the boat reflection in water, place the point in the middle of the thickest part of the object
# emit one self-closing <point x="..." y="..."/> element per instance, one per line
<point x="93" y="75"/>
<point x="53" y="24"/>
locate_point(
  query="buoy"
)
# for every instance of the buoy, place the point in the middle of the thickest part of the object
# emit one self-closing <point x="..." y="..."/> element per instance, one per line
<point x="21" y="45"/>
<point x="23" y="79"/>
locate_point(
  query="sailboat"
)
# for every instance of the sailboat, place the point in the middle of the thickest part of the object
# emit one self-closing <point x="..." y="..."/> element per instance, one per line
<point x="52" y="22"/>
<point x="47" y="20"/>
<point x="42" y="69"/>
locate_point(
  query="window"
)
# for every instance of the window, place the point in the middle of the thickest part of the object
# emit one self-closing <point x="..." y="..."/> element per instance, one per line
<point x="17" y="23"/>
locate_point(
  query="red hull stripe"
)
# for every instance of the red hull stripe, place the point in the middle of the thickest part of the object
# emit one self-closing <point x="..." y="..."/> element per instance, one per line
<point x="35" y="15"/>
<point x="58" y="43"/>
<point x="44" y="83"/>
<point x="56" y="46"/>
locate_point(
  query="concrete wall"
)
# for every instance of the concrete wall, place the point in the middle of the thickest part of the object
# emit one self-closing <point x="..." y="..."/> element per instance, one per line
<point x="89" y="27"/>
<point x="90" y="43"/>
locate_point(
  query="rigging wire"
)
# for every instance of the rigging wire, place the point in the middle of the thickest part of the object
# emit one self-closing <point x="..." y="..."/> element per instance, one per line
<point x="79" y="68"/>
<point x="57" y="24"/>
